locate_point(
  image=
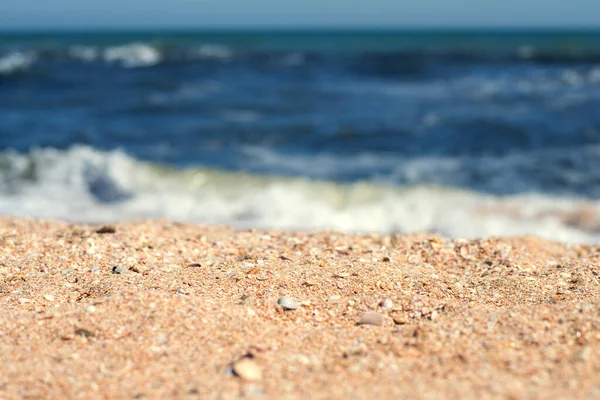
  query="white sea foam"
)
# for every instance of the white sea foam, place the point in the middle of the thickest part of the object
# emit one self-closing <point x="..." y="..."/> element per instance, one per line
<point x="16" y="61"/>
<point x="84" y="184"/>
<point x="133" y="55"/>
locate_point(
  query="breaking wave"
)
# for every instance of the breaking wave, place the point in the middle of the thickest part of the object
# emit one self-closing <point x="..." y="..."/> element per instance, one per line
<point x="15" y="62"/>
<point x="84" y="184"/>
<point x="392" y="61"/>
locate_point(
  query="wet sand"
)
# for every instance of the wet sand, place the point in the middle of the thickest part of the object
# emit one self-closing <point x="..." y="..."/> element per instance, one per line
<point x="194" y="314"/>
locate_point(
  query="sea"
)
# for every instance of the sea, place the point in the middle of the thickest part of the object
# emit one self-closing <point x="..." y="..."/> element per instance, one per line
<point x="463" y="133"/>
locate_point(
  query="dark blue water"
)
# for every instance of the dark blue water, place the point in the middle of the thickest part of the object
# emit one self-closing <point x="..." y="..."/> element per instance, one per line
<point x="495" y="112"/>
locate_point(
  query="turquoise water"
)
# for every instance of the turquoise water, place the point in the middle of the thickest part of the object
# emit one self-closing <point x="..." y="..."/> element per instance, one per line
<point x="574" y="41"/>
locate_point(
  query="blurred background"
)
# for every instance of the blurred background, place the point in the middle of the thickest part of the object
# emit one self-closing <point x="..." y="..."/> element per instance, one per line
<point x="461" y="117"/>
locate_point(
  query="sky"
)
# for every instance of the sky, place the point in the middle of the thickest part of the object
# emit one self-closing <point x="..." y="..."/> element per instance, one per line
<point x="65" y="14"/>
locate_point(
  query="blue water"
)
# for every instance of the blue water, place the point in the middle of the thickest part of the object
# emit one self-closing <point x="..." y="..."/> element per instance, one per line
<point x="488" y="112"/>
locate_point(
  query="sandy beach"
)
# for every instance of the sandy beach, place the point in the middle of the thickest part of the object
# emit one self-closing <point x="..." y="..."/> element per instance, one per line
<point x="157" y="309"/>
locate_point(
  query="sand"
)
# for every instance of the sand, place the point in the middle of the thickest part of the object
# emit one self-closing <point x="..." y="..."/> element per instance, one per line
<point x="196" y="314"/>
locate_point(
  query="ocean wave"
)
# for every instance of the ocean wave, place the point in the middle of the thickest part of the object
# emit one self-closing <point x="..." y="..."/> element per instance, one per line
<point x="15" y="62"/>
<point x="542" y="170"/>
<point x="88" y="185"/>
<point x="133" y="55"/>
<point x="402" y="62"/>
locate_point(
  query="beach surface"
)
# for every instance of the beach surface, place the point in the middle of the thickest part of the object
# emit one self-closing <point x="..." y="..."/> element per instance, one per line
<point x="158" y="309"/>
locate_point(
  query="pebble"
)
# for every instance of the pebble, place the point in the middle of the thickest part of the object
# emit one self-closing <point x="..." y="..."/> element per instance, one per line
<point x="95" y="268"/>
<point x="288" y="303"/>
<point x="341" y="275"/>
<point x="386" y="304"/>
<point x="371" y="318"/>
<point x="66" y="272"/>
<point x="119" y="270"/>
<point x="138" y="268"/>
<point x="247" y="369"/>
<point x="106" y="229"/>
<point x="49" y="297"/>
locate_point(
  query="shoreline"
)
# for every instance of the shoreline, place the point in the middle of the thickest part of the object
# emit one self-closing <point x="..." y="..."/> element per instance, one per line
<point x="192" y="312"/>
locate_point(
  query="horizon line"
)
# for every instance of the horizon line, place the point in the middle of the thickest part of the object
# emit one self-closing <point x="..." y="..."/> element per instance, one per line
<point x="300" y="28"/>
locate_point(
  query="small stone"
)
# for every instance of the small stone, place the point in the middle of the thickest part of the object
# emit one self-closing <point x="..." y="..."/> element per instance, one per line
<point x="94" y="268"/>
<point x="386" y="304"/>
<point x="49" y="297"/>
<point x="84" y="332"/>
<point x="341" y="275"/>
<point x="247" y="369"/>
<point x="106" y="229"/>
<point x="253" y="271"/>
<point x="371" y="318"/>
<point x="333" y="298"/>
<point x="400" y="320"/>
<point x="140" y="269"/>
<point x="119" y="270"/>
<point x="288" y="303"/>
<point x="66" y="272"/>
